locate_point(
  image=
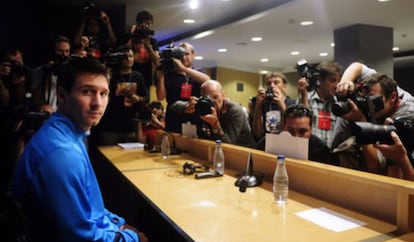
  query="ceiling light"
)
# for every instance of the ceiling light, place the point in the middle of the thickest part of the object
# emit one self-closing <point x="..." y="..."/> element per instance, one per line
<point x="332" y="44"/>
<point x="264" y="72"/>
<point x="306" y="23"/>
<point x="383" y="1"/>
<point x="222" y="50"/>
<point x="395" y="48"/>
<point x="198" y="57"/>
<point x="255" y="39"/>
<point x="203" y="34"/>
<point x="188" y="21"/>
<point x="323" y="54"/>
<point x="295" y="53"/>
<point x="193" y="4"/>
<point x="264" y="60"/>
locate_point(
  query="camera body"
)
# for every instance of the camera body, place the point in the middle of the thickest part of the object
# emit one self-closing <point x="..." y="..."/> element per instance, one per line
<point x="311" y="73"/>
<point x="367" y="104"/>
<point x="90" y="10"/>
<point x="368" y="133"/>
<point x="113" y="59"/>
<point x="204" y="105"/>
<point x="141" y="33"/>
<point x="269" y="95"/>
<point x="16" y="71"/>
<point x="167" y="56"/>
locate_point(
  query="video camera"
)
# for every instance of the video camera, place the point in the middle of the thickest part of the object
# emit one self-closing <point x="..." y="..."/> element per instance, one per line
<point x="367" y="104"/>
<point x="167" y="56"/>
<point x="204" y="105"/>
<point x="311" y="73"/>
<point x="90" y="10"/>
<point x="368" y="133"/>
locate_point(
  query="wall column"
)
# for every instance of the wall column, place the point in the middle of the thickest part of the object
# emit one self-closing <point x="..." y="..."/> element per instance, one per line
<point x="369" y="44"/>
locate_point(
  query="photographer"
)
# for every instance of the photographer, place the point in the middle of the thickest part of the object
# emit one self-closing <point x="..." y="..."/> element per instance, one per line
<point x="270" y="105"/>
<point x="394" y="103"/>
<point x="179" y="83"/>
<point x="15" y="102"/>
<point x="128" y="96"/>
<point x="45" y="76"/>
<point x="321" y="97"/>
<point x="298" y="122"/>
<point x="95" y="34"/>
<point x="222" y="119"/>
<point x="145" y="46"/>
<point x="396" y="152"/>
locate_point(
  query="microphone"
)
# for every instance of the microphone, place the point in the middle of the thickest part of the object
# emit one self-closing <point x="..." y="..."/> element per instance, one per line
<point x="250" y="178"/>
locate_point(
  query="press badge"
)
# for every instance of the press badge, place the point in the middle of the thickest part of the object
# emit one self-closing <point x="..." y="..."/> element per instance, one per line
<point x="186" y="90"/>
<point x="324" y="120"/>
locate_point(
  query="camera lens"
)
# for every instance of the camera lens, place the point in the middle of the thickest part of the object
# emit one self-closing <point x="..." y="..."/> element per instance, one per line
<point x="340" y="108"/>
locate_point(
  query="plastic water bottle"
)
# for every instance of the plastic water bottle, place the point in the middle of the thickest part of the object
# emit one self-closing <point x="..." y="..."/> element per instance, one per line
<point x="218" y="159"/>
<point x="165" y="146"/>
<point x="280" y="181"/>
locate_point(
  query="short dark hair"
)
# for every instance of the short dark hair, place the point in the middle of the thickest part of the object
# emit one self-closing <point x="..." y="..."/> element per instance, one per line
<point x="328" y="68"/>
<point x="74" y="67"/>
<point x="276" y="74"/>
<point x="298" y="111"/>
<point x="144" y="15"/>
<point x="388" y="85"/>
<point x="156" y="104"/>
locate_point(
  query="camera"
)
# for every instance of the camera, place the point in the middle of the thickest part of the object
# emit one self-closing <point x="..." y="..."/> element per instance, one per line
<point x="367" y="104"/>
<point x="269" y="95"/>
<point x="113" y="59"/>
<point x="204" y="105"/>
<point x="90" y="10"/>
<point x="368" y="133"/>
<point x="311" y="73"/>
<point x="16" y="69"/>
<point x="141" y="33"/>
<point x="167" y="56"/>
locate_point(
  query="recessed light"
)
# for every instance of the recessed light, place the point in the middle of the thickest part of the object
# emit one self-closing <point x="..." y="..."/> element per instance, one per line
<point x="188" y="21"/>
<point x="264" y="60"/>
<point x="255" y="39"/>
<point x="332" y="44"/>
<point x="395" y="48"/>
<point x="323" y="54"/>
<point x="306" y="23"/>
<point x="264" y="72"/>
<point x="383" y="1"/>
<point x="203" y="34"/>
<point x="295" y="53"/>
<point x="193" y="4"/>
<point x="198" y="57"/>
<point x="222" y="50"/>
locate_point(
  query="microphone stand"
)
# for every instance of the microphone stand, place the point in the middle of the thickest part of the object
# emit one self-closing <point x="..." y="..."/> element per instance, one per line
<point x="250" y="178"/>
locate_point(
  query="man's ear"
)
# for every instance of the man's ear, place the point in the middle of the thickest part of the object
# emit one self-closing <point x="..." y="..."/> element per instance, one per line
<point x="61" y="94"/>
<point x="394" y="97"/>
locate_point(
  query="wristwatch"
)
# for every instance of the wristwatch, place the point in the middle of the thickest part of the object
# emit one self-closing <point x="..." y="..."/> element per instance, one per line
<point x="217" y="131"/>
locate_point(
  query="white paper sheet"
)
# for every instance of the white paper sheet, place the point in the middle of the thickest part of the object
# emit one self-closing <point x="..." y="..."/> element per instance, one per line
<point x="189" y="130"/>
<point x="285" y="144"/>
<point x="330" y="220"/>
<point x="131" y="145"/>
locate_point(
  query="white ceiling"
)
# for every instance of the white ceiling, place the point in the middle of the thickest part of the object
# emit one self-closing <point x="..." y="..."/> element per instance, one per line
<point x="278" y="25"/>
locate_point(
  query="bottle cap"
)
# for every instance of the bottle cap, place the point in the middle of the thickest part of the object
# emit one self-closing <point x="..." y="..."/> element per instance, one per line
<point x="281" y="157"/>
<point x="218" y="141"/>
